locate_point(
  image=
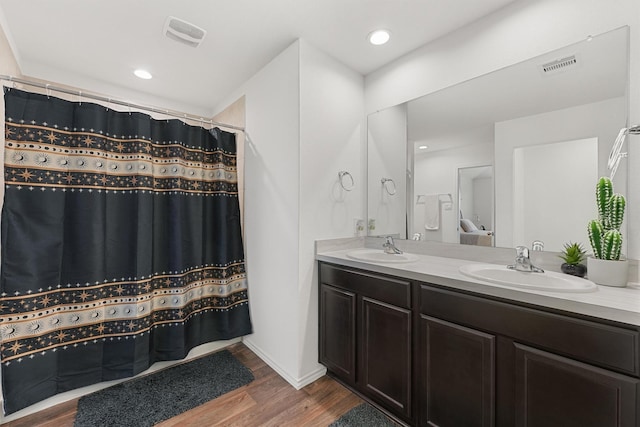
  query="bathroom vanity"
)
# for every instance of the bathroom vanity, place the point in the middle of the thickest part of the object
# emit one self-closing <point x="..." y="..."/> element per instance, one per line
<point x="434" y="348"/>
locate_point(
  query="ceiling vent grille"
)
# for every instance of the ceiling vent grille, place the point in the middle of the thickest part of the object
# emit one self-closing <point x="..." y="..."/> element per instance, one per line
<point x="183" y="31"/>
<point x="559" y="65"/>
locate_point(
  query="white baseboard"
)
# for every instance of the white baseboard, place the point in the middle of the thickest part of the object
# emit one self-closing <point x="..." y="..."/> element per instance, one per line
<point x="297" y="383"/>
<point x="311" y="377"/>
<point x="79" y="392"/>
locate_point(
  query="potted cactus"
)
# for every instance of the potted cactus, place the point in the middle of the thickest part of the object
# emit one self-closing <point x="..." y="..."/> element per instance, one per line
<point x="605" y="266"/>
<point x="573" y="256"/>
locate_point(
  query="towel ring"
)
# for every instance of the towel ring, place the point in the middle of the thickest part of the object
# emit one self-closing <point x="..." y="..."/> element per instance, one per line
<point x="384" y="182"/>
<point x="341" y="180"/>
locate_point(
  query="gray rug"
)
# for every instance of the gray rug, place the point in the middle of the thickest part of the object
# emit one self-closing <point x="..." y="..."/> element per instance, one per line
<point x="153" y="398"/>
<point x="363" y="415"/>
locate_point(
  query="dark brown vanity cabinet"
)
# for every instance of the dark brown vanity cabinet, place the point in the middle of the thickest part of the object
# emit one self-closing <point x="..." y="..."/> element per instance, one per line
<point x="438" y="357"/>
<point x="366" y="335"/>
<point x="485" y="362"/>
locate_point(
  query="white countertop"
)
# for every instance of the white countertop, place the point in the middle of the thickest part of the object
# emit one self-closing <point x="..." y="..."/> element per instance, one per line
<point x="617" y="304"/>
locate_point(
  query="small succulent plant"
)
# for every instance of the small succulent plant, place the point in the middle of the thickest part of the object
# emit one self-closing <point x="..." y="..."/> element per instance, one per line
<point x="604" y="232"/>
<point x="573" y="253"/>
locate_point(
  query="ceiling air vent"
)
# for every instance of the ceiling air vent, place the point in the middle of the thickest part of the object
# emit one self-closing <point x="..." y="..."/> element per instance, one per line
<point x="559" y="65"/>
<point x="183" y="31"/>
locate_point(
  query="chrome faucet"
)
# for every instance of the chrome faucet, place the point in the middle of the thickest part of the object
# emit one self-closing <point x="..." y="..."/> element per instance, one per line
<point x="523" y="262"/>
<point x="389" y="246"/>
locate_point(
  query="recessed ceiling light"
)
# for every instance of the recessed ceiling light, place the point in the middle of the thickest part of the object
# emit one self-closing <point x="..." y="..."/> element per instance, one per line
<point x="423" y="147"/>
<point x="143" y="74"/>
<point x="379" y="37"/>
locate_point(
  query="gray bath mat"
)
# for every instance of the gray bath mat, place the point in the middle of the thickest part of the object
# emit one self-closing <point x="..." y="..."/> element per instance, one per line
<point x="164" y="394"/>
<point x="363" y="415"/>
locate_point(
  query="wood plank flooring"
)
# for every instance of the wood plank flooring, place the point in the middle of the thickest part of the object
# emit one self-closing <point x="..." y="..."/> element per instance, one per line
<point x="267" y="401"/>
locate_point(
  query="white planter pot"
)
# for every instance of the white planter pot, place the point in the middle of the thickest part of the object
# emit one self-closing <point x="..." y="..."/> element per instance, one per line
<point x="608" y="272"/>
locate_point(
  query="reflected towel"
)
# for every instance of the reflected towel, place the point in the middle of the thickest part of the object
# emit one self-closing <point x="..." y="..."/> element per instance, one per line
<point x="432" y="212"/>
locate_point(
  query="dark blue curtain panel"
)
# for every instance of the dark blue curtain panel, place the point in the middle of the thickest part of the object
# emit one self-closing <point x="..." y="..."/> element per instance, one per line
<point x="121" y="244"/>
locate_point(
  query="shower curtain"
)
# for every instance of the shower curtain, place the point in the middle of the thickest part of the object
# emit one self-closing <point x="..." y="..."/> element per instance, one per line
<point x="121" y="244"/>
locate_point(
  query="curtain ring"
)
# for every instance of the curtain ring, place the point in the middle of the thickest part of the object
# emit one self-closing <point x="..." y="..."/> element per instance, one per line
<point x="384" y="182"/>
<point x="341" y="179"/>
<point x="79" y="97"/>
<point x="46" y="89"/>
<point x="108" y="104"/>
<point x="184" y="122"/>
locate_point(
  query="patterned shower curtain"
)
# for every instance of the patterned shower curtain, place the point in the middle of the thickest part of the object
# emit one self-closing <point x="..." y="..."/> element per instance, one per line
<point x="121" y="244"/>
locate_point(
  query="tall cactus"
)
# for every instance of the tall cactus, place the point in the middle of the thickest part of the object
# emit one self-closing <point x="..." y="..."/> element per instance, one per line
<point x="604" y="232"/>
<point x="604" y="191"/>
<point x="617" y="204"/>
<point x="596" y="232"/>
<point x="611" y="244"/>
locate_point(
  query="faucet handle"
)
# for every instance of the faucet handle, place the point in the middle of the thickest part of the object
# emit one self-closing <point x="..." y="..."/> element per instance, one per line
<point x="537" y="245"/>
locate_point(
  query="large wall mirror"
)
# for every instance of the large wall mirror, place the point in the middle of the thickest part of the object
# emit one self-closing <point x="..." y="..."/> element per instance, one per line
<point x="506" y="158"/>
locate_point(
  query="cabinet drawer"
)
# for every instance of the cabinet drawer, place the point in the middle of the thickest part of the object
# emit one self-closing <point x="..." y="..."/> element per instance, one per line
<point x="382" y="288"/>
<point x="599" y="344"/>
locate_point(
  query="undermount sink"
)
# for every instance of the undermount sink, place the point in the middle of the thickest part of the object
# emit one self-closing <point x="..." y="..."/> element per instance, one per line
<point x="378" y="255"/>
<point x="547" y="281"/>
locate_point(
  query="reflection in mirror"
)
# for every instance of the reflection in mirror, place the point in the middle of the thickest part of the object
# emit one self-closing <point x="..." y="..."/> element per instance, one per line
<point x="552" y="108"/>
<point x="475" y="202"/>
<point x="546" y="172"/>
<point x="386" y="183"/>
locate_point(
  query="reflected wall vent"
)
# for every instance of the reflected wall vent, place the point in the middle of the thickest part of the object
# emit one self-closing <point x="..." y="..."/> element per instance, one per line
<point x="559" y="65"/>
<point x="183" y="31"/>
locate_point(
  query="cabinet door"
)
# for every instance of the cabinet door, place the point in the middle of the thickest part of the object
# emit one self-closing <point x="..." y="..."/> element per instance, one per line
<point x="457" y="375"/>
<point x="338" y="332"/>
<point x="555" y="391"/>
<point x="386" y="355"/>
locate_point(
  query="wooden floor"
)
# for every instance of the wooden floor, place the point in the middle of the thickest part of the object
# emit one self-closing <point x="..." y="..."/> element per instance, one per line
<point x="267" y="401"/>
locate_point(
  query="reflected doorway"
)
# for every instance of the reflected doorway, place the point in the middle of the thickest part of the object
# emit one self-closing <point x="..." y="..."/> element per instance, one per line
<point x="475" y="206"/>
<point x="553" y="192"/>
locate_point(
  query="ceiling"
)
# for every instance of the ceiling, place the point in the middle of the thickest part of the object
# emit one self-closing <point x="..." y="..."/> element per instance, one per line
<point x="95" y="45"/>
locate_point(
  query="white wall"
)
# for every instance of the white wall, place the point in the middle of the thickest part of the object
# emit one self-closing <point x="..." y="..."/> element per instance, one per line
<point x="597" y="120"/>
<point x="304" y="123"/>
<point x="331" y="140"/>
<point x="387" y="158"/>
<point x="272" y="197"/>
<point x="517" y="32"/>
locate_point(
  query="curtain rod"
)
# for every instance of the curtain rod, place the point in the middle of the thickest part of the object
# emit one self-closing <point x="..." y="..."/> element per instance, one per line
<point x="81" y="94"/>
